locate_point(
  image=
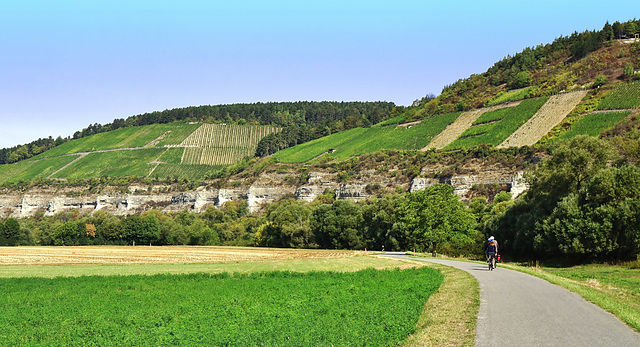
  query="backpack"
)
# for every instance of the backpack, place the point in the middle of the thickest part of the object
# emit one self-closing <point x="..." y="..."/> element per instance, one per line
<point x="491" y="247"/>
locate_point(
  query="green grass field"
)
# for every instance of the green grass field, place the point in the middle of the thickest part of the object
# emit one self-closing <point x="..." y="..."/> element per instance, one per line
<point x="623" y="96"/>
<point x="121" y="138"/>
<point x="511" y="95"/>
<point x="116" y="163"/>
<point x="592" y="124"/>
<point x="32" y="169"/>
<point x="190" y="171"/>
<point x="367" y="140"/>
<point x="503" y="123"/>
<point x="369" y="307"/>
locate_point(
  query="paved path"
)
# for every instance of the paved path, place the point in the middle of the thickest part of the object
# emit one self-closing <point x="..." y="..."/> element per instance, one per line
<point x="517" y="309"/>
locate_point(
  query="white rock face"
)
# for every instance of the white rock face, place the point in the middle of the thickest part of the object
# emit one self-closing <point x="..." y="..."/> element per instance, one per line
<point x="352" y="191"/>
<point x="462" y="184"/>
<point x="266" y="189"/>
<point x="316" y="185"/>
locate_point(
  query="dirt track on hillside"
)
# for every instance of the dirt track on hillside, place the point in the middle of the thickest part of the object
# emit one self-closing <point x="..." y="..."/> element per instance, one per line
<point x="547" y="117"/>
<point x="462" y="123"/>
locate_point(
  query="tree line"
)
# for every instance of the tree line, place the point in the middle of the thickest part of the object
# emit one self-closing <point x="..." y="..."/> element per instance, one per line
<point x="433" y="219"/>
<point x="583" y="205"/>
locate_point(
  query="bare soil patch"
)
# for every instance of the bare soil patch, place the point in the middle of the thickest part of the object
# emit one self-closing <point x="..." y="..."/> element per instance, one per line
<point x="155" y="254"/>
<point x="462" y="123"/>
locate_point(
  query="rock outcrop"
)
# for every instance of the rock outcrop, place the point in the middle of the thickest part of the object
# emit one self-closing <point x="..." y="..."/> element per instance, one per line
<point x="265" y="189"/>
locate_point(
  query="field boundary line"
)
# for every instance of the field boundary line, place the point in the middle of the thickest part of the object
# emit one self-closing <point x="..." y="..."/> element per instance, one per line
<point x="80" y="156"/>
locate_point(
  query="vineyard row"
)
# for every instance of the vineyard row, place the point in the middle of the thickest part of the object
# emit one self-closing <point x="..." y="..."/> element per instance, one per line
<point x="217" y="135"/>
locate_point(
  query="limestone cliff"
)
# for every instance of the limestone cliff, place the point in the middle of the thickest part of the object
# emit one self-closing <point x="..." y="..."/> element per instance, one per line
<point x="267" y="188"/>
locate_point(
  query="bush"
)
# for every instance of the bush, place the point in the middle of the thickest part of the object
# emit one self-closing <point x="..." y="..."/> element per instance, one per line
<point x="600" y="81"/>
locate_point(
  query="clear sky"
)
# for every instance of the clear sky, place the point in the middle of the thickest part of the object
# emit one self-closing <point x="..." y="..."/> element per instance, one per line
<point x="66" y="64"/>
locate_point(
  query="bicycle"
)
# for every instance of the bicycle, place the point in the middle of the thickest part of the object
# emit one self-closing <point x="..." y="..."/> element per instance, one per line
<point x="491" y="262"/>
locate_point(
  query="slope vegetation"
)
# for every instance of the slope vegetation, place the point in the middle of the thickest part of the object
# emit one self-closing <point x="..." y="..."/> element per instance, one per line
<point x="462" y="123"/>
<point x="547" y="117"/>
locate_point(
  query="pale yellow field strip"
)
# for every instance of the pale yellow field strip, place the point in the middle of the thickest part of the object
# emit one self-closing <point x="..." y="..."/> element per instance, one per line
<point x="462" y="123"/>
<point x="154" y="254"/>
<point x="547" y="117"/>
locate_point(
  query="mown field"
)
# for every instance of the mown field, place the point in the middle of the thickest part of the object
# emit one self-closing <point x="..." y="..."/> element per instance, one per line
<point x="493" y="127"/>
<point x="367" y="140"/>
<point x="236" y="297"/>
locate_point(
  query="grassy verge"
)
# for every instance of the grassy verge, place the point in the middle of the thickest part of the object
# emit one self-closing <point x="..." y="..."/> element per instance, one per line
<point x="301" y="265"/>
<point x="450" y="316"/>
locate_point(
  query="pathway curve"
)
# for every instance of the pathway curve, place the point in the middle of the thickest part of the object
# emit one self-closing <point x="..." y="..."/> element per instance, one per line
<point x="517" y="309"/>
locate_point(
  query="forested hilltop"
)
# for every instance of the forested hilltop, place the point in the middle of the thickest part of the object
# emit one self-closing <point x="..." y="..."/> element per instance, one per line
<point x="307" y="119"/>
<point x="580" y="60"/>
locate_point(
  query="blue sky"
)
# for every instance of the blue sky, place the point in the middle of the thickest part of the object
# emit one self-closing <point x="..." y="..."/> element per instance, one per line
<point x="67" y="64"/>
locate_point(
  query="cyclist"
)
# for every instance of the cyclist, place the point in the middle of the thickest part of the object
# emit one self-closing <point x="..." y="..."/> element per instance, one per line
<point x="491" y="249"/>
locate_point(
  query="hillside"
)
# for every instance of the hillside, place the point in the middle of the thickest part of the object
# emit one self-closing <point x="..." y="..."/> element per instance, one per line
<point x="540" y="96"/>
<point x="174" y="150"/>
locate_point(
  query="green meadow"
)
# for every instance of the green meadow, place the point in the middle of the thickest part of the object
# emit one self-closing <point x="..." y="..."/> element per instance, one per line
<point x="32" y="169"/>
<point x="367" y="140"/>
<point x="363" y="308"/>
<point x="592" y="124"/>
<point x="115" y="163"/>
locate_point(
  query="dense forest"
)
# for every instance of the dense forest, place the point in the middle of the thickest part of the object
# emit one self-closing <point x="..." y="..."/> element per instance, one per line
<point x="314" y="118"/>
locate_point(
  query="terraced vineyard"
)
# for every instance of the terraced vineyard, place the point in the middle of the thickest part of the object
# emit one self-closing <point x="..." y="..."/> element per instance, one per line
<point x="592" y="124"/>
<point x="219" y="144"/>
<point x="497" y="124"/>
<point x="367" y="140"/>
<point x="547" y="117"/>
<point x="623" y="96"/>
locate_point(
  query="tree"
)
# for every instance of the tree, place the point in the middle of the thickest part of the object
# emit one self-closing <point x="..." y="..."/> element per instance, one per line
<point x="338" y="225"/>
<point x="11" y="231"/>
<point x="521" y="80"/>
<point x="289" y="225"/>
<point x="600" y="81"/>
<point x="435" y="216"/>
<point x="68" y="234"/>
<point x="601" y="221"/>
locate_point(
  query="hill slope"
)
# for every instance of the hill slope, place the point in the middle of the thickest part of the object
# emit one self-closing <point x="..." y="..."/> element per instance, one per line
<point x="502" y="107"/>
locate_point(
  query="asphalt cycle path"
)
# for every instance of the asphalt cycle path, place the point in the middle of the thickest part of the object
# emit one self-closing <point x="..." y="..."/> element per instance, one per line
<point x="517" y="309"/>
